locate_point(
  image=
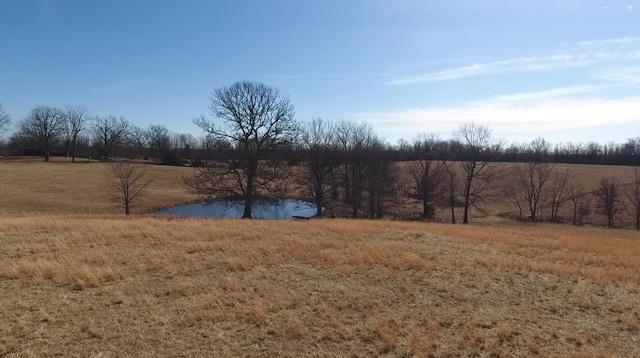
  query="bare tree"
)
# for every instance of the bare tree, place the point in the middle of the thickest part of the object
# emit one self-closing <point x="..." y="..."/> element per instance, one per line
<point x="76" y="119"/>
<point x="380" y="175"/>
<point x="43" y="126"/>
<point x="158" y="139"/>
<point x="530" y="185"/>
<point x="632" y="196"/>
<point x="342" y="174"/>
<point x="451" y="184"/>
<point x="258" y="121"/>
<point x="4" y="119"/>
<point x="584" y="209"/>
<point x="538" y="149"/>
<point x="607" y="196"/>
<point x="138" y="140"/>
<point x="561" y="189"/>
<point x="480" y="177"/>
<point x="320" y="148"/>
<point x="355" y="142"/>
<point x="186" y="143"/>
<point x="427" y="176"/>
<point x="109" y="132"/>
<point x="128" y="181"/>
<point x="577" y="195"/>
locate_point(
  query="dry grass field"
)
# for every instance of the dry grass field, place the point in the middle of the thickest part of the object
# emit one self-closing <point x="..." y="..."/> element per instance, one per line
<point x="31" y="186"/>
<point x="75" y="283"/>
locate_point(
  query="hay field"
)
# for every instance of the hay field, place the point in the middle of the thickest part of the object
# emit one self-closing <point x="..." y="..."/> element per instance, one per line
<point x="80" y="281"/>
<point x="150" y="286"/>
<point x="60" y="187"/>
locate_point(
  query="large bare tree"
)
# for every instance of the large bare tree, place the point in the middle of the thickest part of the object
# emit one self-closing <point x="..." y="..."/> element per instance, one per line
<point x="562" y="187"/>
<point x="530" y="185"/>
<point x="427" y="176"/>
<point x="257" y="121"/>
<point x="43" y="126"/>
<point x="480" y="176"/>
<point x="128" y="181"/>
<point x="76" y="119"/>
<point x="354" y="142"/>
<point x="108" y="132"/>
<point x="320" y="148"/>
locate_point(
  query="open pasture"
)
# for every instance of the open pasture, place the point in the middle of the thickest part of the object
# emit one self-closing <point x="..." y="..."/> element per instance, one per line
<point x="79" y="280"/>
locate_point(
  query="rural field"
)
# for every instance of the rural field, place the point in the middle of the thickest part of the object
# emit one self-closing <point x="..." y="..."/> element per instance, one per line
<point x="78" y="278"/>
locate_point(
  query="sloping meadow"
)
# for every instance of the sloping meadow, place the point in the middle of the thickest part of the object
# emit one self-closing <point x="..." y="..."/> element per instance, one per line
<point x="148" y="286"/>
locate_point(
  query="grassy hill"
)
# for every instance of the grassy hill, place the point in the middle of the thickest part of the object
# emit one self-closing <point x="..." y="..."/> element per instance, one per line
<point x="75" y="283"/>
<point x="61" y="187"/>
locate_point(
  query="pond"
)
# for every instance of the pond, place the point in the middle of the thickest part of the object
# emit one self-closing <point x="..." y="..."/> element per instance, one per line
<point x="261" y="209"/>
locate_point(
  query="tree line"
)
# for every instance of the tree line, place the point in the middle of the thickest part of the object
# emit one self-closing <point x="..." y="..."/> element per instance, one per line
<point x="254" y="149"/>
<point x="74" y="132"/>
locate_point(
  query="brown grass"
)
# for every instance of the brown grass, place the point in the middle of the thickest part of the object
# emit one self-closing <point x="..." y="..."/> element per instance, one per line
<point x="75" y="283"/>
<point x="30" y="186"/>
<point x="89" y="285"/>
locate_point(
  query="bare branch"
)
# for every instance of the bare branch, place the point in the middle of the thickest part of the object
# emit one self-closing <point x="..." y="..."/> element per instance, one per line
<point x="608" y="198"/>
<point x="632" y="196"/>
<point x="4" y="119"/>
<point x="257" y="121"/>
<point x="43" y="126"/>
<point x="128" y="181"/>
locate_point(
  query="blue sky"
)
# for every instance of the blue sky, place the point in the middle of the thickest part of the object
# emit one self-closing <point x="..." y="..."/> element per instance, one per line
<point x="567" y="70"/>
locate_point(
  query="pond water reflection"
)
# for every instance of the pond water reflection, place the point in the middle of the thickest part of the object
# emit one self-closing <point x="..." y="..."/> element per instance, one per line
<point x="261" y="209"/>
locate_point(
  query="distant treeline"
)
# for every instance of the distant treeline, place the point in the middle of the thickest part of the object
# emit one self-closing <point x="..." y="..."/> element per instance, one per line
<point x="75" y="132"/>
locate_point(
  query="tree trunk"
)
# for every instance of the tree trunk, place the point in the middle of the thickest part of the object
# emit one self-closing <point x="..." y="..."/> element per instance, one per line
<point x="533" y="214"/>
<point x="248" y="200"/>
<point x="465" y="215"/>
<point x="355" y="203"/>
<point x="248" y="203"/>
<point x="73" y="150"/>
<point x="319" y="194"/>
<point x="319" y="206"/>
<point x="453" y="213"/>
<point x="347" y="185"/>
<point x="46" y="153"/>
<point x="372" y="205"/>
<point x="425" y="209"/>
<point x="467" y="194"/>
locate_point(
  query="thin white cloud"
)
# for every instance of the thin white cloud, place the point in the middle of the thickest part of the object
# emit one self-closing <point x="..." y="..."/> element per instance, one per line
<point x="628" y="75"/>
<point x="544" y="95"/>
<point x="582" y="54"/>
<point x="624" y="40"/>
<point x="561" y="109"/>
